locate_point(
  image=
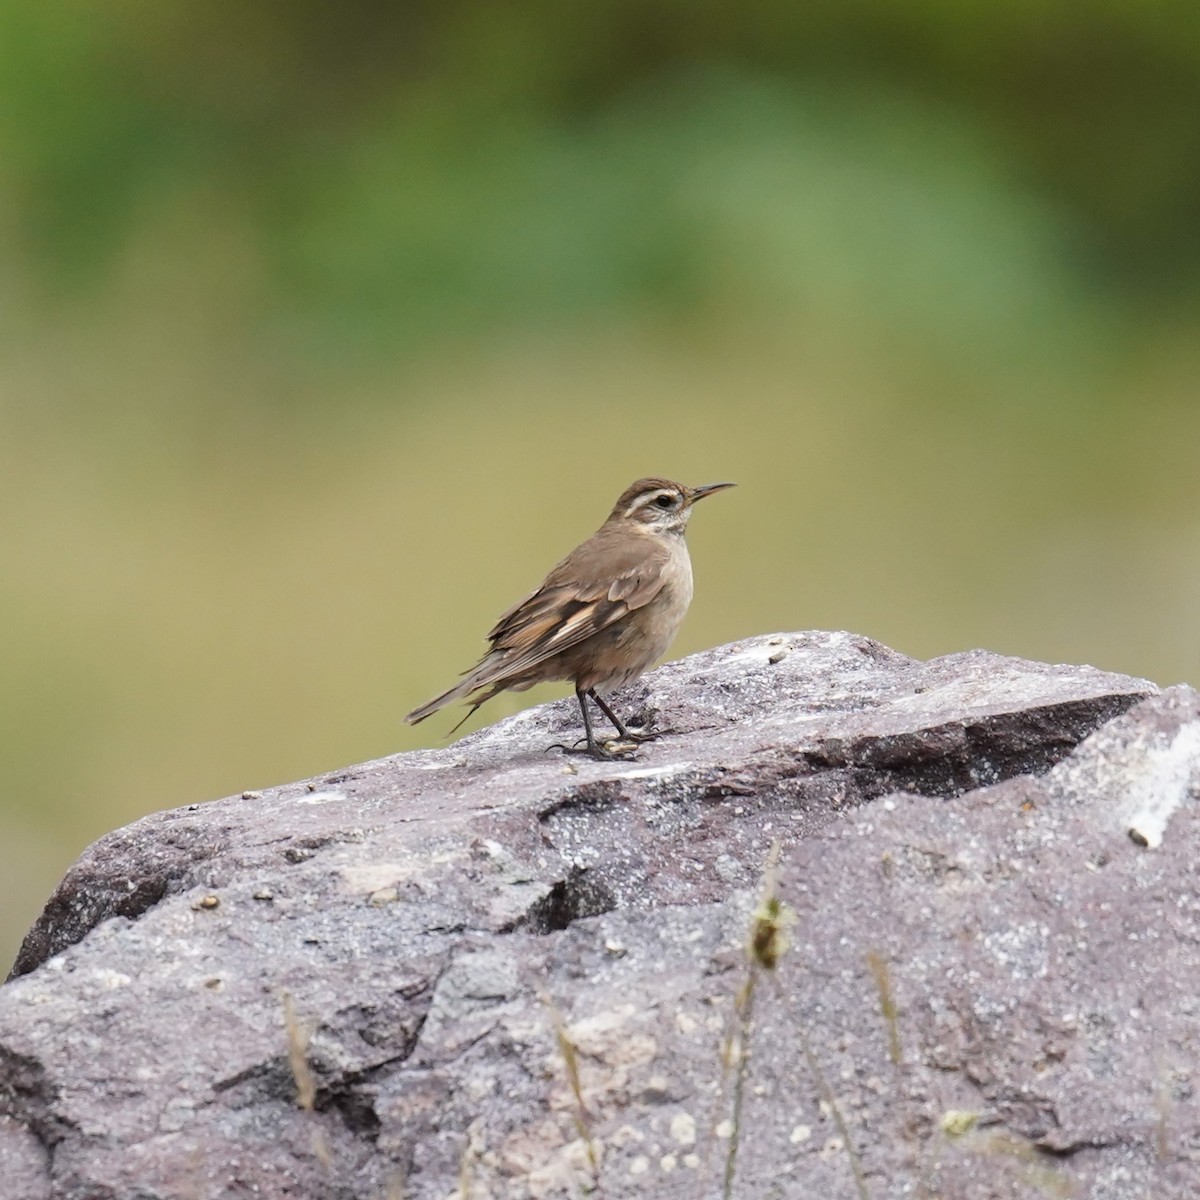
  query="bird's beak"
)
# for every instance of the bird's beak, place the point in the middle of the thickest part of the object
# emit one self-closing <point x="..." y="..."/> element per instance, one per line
<point x="707" y="489"/>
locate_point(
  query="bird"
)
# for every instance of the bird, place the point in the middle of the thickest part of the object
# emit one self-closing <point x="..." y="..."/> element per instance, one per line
<point x="604" y="615"/>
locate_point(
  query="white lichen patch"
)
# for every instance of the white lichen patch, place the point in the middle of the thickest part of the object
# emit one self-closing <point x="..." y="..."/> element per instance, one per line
<point x="612" y="1051"/>
<point x="522" y="1152"/>
<point x="369" y="879"/>
<point x="686" y="1023"/>
<point x="678" y="768"/>
<point x="761" y="650"/>
<point x="606" y="1036"/>
<point x="563" y="1172"/>
<point x="683" y="1129"/>
<point x="373" y="878"/>
<point x="627" y="1135"/>
<point x="109" y="979"/>
<point x="320" y="797"/>
<point x="1165" y="775"/>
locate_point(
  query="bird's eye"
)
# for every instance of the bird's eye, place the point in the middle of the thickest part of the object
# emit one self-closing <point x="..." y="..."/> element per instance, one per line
<point x="665" y="501"/>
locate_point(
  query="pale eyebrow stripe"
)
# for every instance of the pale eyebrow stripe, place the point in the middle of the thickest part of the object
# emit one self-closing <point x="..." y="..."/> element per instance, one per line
<point x="647" y="498"/>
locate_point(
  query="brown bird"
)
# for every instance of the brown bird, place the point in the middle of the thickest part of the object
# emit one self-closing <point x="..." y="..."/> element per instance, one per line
<point x="605" y="614"/>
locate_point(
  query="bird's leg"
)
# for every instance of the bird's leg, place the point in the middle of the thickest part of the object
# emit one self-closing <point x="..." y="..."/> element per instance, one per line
<point x="595" y="748"/>
<point x="592" y="747"/>
<point x="624" y="734"/>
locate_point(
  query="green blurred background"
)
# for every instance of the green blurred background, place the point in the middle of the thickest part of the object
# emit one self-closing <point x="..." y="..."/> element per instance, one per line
<point x="327" y="329"/>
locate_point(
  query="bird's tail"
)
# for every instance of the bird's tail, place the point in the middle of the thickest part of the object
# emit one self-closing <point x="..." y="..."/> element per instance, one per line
<point x="427" y="709"/>
<point x="483" y="674"/>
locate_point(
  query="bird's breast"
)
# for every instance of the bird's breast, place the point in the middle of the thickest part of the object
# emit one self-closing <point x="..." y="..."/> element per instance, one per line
<point x="676" y="594"/>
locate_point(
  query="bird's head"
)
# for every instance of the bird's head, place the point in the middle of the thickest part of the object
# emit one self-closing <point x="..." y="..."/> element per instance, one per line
<point x="660" y="505"/>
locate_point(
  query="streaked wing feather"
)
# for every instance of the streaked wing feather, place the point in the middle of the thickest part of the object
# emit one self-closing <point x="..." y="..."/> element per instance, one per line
<point x="596" y="585"/>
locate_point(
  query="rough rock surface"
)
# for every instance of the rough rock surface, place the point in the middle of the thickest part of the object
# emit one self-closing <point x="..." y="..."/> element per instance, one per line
<point x="990" y="989"/>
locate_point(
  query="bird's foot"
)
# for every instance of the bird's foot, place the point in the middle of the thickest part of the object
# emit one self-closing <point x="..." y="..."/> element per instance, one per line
<point x="643" y="735"/>
<point x="612" y="750"/>
<point x="615" y="748"/>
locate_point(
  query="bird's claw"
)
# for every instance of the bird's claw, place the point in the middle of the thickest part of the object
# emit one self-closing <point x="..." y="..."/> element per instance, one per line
<point x="573" y="748"/>
<point x="645" y="735"/>
<point x="614" y="749"/>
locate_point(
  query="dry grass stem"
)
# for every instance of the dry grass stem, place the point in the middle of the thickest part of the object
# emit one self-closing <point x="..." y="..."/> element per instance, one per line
<point x="298" y="1037"/>
<point x="739" y="1045"/>
<point x="299" y="1034"/>
<point x="881" y="973"/>
<point x="839" y="1120"/>
<point x="569" y="1053"/>
<point x="765" y="946"/>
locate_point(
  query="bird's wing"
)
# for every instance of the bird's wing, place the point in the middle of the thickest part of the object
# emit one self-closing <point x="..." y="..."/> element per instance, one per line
<point x="593" y="587"/>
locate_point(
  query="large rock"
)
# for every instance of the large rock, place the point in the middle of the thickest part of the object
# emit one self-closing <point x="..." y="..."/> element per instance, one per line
<point x="990" y="990"/>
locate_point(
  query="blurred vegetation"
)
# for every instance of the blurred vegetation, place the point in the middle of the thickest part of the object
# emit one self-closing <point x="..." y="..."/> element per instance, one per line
<point x="327" y="329"/>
